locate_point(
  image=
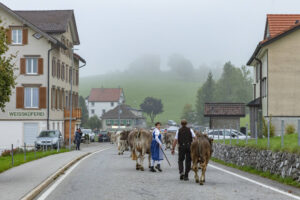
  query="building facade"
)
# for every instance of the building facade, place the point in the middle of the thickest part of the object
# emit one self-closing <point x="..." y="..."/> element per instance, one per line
<point x="276" y="61"/>
<point x="123" y="117"/>
<point x="224" y="115"/>
<point x="42" y="42"/>
<point x="101" y="100"/>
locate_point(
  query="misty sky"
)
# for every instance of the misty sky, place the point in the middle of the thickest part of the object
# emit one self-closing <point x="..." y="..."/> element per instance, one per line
<point x="115" y="32"/>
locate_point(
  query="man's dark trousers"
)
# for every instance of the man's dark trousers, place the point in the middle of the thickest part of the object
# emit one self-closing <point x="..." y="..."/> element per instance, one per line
<point x="184" y="154"/>
<point x="78" y="145"/>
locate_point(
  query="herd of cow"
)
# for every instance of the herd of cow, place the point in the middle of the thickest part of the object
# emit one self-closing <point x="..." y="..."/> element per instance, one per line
<point x="138" y="141"/>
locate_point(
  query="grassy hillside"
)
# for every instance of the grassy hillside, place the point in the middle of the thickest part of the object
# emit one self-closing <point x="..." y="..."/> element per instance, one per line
<point x="174" y="93"/>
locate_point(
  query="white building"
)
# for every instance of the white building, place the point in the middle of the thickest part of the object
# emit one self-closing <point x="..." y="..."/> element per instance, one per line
<point x="42" y="42"/>
<point x="102" y="100"/>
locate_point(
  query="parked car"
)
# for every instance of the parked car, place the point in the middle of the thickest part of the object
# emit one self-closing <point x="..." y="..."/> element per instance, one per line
<point x="172" y="123"/>
<point x="219" y="134"/>
<point x="103" y="137"/>
<point x="87" y="134"/>
<point x="49" y="138"/>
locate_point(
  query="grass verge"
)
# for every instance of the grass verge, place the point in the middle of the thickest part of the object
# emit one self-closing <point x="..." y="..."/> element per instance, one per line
<point x="252" y="170"/>
<point x="6" y="161"/>
<point x="290" y="143"/>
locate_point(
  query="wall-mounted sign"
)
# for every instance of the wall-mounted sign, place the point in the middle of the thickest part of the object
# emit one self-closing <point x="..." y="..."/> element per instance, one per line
<point x="27" y="114"/>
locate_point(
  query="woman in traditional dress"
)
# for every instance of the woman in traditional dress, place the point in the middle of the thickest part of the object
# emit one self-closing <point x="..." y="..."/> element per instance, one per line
<point x="156" y="148"/>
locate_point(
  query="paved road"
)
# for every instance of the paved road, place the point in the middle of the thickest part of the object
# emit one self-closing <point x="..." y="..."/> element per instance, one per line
<point x="18" y="181"/>
<point x="106" y="175"/>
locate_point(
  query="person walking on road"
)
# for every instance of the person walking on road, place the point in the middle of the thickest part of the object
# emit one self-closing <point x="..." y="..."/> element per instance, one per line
<point x="184" y="137"/>
<point x="156" y="148"/>
<point x="78" y="135"/>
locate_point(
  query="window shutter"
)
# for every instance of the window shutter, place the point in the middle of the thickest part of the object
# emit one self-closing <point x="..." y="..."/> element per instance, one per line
<point x="19" y="97"/>
<point x="22" y="66"/>
<point x="43" y="97"/>
<point x="8" y="36"/>
<point x="40" y="66"/>
<point x="25" y="36"/>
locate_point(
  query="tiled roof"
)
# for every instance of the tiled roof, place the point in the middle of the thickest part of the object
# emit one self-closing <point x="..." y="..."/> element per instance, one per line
<point x="125" y="113"/>
<point x="49" y="21"/>
<point x="279" y="23"/>
<point x="105" y="94"/>
<point x="224" y="109"/>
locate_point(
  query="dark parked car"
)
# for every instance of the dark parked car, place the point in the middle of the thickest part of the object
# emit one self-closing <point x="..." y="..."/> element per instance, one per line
<point x="103" y="137"/>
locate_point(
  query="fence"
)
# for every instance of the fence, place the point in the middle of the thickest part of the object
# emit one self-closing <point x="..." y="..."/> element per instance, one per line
<point x="228" y="135"/>
<point x="28" y="152"/>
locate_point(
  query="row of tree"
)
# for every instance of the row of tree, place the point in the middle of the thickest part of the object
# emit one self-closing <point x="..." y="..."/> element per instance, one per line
<point x="234" y="85"/>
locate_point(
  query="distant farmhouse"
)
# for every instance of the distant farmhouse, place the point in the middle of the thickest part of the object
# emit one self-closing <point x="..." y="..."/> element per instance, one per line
<point x="276" y="63"/>
<point x="42" y="42"/>
<point x="102" y="100"/>
<point x="129" y="118"/>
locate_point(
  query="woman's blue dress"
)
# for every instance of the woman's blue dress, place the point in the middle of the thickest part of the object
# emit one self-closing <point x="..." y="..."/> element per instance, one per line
<point x="156" y="152"/>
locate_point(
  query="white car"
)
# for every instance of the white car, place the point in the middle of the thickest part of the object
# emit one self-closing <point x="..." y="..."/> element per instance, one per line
<point x="90" y="133"/>
<point x="219" y="134"/>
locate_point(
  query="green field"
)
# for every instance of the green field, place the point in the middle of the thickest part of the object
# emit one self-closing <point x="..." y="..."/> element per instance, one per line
<point x="290" y="143"/>
<point x="173" y="93"/>
<point x="6" y="161"/>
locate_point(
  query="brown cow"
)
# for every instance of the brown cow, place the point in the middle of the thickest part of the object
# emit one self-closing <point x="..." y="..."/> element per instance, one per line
<point x="201" y="150"/>
<point x="140" y="141"/>
<point x="123" y="141"/>
<point x="169" y="138"/>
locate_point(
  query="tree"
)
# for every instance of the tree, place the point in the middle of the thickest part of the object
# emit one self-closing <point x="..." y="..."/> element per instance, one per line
<point x="234" y="84"/>
<point x="188" y="113"/>
<point x="152" y="107"/>
<point x="94" y="122"/>
<point x="181" y="66"/>
<point x="7" y="78"/>
<point x="205" y="94"/>
<point x="84" y="112"/>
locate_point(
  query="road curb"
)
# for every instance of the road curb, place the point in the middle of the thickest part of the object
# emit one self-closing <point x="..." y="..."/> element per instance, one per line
<point x="37" y="190"/>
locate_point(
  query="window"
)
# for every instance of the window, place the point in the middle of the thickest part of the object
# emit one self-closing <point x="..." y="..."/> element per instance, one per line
<point x="17" y="36"/>
<point x="58" y="69"/>
<point x="53" y="98"/>
<point x="70" y="74"/>
<point x="67" y="70"/>
<point x="264" y="87"/>
<point x="93" y="103"/>
<point x="93" y="111"/>
<point x="128" y="122"/>
<point x="31" y="97"/>
<point x="53" y="67"/>
<point x="103" y="111"/>
<point x="112" y="104"/>
<point x="31" y="65"/>
<point x="63" y="71"/>
<point x="67" y="100"/>
<point x="108" y="122"/>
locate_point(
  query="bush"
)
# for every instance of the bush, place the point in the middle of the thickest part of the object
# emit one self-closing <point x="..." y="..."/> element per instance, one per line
<point x="265" y="128"/>
<point x="290" y="129"/>
<point x="8" y="152"/>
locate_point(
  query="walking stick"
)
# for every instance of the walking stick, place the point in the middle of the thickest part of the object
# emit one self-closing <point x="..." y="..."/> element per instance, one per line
<point x="166" y="157"/>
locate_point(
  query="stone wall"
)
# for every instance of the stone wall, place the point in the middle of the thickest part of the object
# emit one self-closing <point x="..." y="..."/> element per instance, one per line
<point x="280" y="163"/>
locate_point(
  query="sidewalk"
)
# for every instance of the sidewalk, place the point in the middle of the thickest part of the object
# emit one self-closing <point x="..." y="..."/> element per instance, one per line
<point x="18" y="181"/>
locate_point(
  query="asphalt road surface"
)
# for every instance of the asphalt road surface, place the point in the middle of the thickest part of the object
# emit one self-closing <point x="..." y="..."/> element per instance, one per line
<point x="107" y="175"/>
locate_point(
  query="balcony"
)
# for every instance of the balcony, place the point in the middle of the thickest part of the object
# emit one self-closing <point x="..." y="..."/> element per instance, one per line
<point x="76" y="113"/>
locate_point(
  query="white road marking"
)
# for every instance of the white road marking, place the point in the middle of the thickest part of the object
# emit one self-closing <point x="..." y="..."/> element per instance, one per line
<point x="62" y="177"/>
<point x="255" y="182"/>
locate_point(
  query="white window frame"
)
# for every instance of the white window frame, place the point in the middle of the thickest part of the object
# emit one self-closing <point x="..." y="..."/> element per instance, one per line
<point x="31" y="97"/>
<point x="18" y="32"/>
<point x="32" y="66"/>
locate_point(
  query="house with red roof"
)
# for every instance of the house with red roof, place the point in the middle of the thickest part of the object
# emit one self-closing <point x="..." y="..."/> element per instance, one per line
<point x="276" y="64"/>
<point x="102" y="100"/>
